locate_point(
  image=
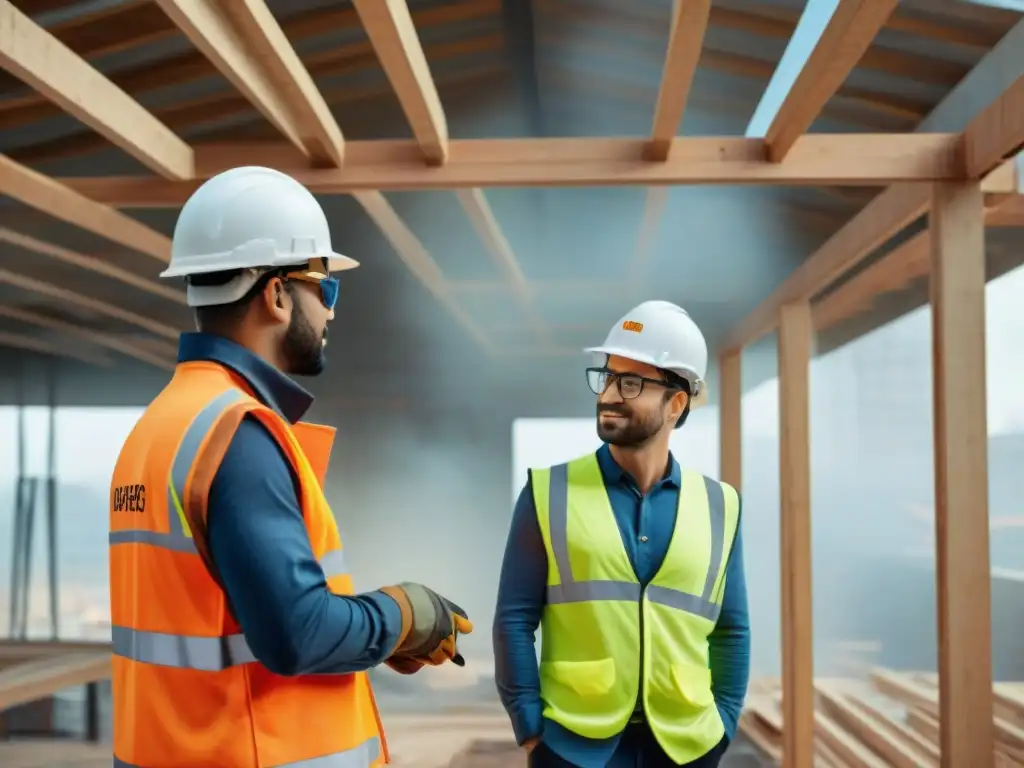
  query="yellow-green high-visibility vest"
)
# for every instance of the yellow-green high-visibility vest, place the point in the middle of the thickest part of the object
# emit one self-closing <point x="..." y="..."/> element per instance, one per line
<point x="600" y="626"/>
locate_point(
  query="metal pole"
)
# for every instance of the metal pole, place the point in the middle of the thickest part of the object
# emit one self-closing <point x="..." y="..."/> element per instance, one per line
<point x="18" y="534"/>
<point x="51" y="501"/>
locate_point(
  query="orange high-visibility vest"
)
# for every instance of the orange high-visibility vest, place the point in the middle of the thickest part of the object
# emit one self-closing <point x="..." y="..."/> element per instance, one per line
<point x="187" y="689"/>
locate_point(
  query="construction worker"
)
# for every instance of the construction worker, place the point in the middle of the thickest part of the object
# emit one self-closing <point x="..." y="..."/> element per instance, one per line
<point x="633" y="568"/>
<point x="237" y="637"/>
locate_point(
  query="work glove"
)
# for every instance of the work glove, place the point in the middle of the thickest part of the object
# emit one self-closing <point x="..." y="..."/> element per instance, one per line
<point x="431" y="625"/>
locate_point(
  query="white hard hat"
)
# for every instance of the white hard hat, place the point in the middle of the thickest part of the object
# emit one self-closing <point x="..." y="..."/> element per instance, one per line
<point x="249" y="219"/>
<point x="661" y="334"/>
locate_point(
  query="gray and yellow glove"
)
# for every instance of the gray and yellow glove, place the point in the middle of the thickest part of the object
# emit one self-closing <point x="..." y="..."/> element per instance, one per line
<point x="431" y="625"/>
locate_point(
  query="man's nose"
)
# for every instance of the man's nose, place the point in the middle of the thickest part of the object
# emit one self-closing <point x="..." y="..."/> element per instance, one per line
<point x="611" y="393"/>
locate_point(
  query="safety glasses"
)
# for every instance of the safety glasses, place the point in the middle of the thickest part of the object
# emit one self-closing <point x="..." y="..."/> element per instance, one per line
<point x="328" y="285"/>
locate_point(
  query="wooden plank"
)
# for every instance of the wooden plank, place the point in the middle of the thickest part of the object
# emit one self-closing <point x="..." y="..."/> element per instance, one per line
<point x="795" y="339"/>
<point x="730" y="410"/>
<point x="33" y="680"/>
<point x="685" y="40"/>
<point x="850" y="31"/>
<point x="44" y="63"/>
<point x="961" y="475"/>
<point x="390" y="28"/>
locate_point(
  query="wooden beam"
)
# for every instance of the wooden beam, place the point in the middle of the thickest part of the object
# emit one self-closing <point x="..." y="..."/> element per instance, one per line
<point x="475" y="204"/>
<point x="390" y="28"/>
<point x="655" y="203"/>
<point x="795" y="340"/>
<point x="730" y="422"/>
<point x="207" y="26"/>
<point x="997" y="132"/>
<point x="33" y="344"/>
<point x="40" y="678"/>
<point x="58" y="200"/>
<point x="849" y="34"/>
<point x="685" y="40"/>
<point x="265" y="39"/>
<point x="88" y="335"/>
<point x="961" y="476"/>
<point x="841" y="160"/>
<point x="88" y="303"/>
<point x="35" y="56"/>
<point x="416" y="257"/>
<point x="93" y="264"/>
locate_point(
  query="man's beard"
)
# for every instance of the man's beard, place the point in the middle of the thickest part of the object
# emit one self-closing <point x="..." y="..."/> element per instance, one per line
<point x="303" y="346"/>
<point x="631" y="432"/>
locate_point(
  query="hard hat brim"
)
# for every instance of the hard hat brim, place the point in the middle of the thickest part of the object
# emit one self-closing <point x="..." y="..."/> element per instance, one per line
<point x="336" y="262"/>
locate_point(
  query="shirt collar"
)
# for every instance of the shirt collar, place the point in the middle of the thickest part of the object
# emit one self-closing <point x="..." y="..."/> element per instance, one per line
<point x="613" y="473"/>
<point x="270" y="385"/>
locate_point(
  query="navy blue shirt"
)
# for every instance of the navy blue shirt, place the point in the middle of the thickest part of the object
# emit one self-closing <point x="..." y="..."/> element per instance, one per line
<point x="646" y="523"/>
<point x="259" y="543"/>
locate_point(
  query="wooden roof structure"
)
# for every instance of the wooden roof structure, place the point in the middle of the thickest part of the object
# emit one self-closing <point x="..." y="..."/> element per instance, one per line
<point x="185" y="88"/>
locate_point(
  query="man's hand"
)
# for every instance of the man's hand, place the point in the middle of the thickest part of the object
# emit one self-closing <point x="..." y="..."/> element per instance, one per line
<point x="531" y="744"/>
<point x="430" y="626"/>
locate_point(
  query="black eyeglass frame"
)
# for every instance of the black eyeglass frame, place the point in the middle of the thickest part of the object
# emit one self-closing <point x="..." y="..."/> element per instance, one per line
<point x="618" y="376"/>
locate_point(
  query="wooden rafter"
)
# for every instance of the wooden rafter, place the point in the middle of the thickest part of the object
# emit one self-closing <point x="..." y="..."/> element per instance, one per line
<point x="685" y="40"/>
<point x="847" y="36"/>
<point x="88" y="303"/>
<point x="58" y="200"/>
<point x="249" y="48"/>
<point x="997" y="132"/>
<point x="35" y="56"/>
<point x="92" y="264"/>
<point x="88" y="335"/>
<point x="475" y="204"/>
<point x="416" y="257"/>
<point x="390" y="27"/>
<point x="33" y="344"/>
<point x="192" y="66"/>
<point x="856" y="160"/>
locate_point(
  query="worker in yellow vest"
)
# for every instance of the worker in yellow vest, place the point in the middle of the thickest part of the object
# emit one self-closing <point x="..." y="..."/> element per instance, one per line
<point x="238" y="639"/>
<point x="633" y="569"/>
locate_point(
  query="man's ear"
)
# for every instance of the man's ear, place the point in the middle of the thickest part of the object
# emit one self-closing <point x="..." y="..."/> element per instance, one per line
<point x="276" y="300"/>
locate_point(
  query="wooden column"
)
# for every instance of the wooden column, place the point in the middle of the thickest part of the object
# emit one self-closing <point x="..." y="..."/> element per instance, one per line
<point x="730" y="437"/>
<point x="964" y="578"/>
<point x="795" y="336"/>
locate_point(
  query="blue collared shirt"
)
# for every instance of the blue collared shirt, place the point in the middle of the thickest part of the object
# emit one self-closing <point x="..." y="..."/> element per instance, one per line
<point x="646" y="523"/>
<point x="259" y="543"/>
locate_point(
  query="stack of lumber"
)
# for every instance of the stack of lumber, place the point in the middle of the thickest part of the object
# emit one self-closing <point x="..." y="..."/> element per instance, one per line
<point x="890" y="720"/>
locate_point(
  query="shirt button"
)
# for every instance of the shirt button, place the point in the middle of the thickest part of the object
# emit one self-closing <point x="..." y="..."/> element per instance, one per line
<point x="643" y="539"/>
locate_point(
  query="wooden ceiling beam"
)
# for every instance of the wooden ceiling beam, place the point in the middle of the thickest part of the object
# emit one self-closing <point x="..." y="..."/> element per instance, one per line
<point x="88" y="303"/>
<point x="89" y="335"/>
<point x="33" y="344"/>
<point x="847" y="36"/>
<point x="39" y="59"/>
<point x="268" y="73"/>
<point x="192" y="66"/>
<point x="55" y="199"/>
<point x="416" y="257"/>
<point x="475" y="204"/>
<point x="833" y="159"/>
<point x="390" y="27"/>
<point x="997" y="132"/>
<point x="685" y="41"/>
<point x="92" y="264"/>
<point x="188" y="116"/>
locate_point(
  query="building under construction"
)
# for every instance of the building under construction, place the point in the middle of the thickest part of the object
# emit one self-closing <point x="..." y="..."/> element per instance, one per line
<point x="513" y="174"/>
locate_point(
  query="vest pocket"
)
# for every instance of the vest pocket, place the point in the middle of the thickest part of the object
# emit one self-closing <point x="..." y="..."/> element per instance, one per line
<point x="585" y="678"/>
<point x="693" y="683"/>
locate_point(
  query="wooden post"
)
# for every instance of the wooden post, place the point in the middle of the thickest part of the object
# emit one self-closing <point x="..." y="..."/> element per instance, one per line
<point x="795" y="336"/>
<point x="730" y="437"/>
<point x="963" y="572"/>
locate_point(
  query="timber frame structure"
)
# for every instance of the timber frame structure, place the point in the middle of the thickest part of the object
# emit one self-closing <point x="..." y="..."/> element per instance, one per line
<point x="961" y="180"/>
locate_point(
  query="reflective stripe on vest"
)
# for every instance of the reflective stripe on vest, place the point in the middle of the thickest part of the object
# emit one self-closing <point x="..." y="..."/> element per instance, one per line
<point x="360" y="756"/>
<point x="572" y="591"/>
<point x="209" y="654"/>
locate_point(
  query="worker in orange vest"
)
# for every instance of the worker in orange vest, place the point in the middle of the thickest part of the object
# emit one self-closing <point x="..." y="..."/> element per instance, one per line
<point x="237" y="637"/>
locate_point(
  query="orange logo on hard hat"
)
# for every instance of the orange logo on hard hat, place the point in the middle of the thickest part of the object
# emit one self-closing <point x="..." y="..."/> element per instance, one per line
<point x="632" y="325"/>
